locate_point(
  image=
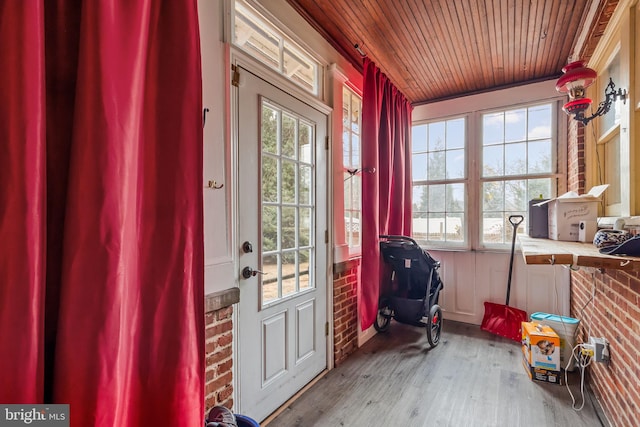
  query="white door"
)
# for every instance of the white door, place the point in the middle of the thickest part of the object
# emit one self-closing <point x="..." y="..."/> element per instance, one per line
<point x="282" y="218"/>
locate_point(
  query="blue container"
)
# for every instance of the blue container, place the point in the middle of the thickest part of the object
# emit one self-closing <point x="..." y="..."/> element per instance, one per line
<point x="244" y="421"/>
<point x="566" y="328"/>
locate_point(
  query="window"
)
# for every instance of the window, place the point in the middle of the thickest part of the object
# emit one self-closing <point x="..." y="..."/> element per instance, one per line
<point x="439" y="180"/>
<point x="351" y="114"/>
<point x="471" y="172"/>
<point x="611" y="156"/>
<point x="517" y="166"/>
<point x="608" y="142"/>
<point x="256" y="36"/>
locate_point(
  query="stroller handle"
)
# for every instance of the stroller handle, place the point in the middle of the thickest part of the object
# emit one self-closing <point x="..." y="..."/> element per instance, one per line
<point x="400" y="238"/>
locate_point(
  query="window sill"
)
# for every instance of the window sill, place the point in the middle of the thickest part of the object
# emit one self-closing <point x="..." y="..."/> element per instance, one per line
<point x="575" y="254"/>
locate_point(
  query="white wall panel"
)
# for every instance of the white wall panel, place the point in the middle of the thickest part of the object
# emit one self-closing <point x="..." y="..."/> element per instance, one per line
<point x="471" y="278"/>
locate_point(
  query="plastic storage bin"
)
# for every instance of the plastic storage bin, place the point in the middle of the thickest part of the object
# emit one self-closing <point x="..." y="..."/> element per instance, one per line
<point x="566" y="328"/>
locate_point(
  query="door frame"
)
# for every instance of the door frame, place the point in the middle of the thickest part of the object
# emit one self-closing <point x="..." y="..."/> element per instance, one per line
<point x="236" y="57"/>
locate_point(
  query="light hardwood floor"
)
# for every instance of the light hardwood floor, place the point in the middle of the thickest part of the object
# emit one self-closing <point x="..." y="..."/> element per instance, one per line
<point x="472" y="378"/>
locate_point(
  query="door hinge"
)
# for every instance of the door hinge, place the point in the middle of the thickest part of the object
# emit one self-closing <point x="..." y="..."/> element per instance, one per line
<point x="235" y="76"/>
<point x="326" y="142"/>
<point x="326" y="329"/>
<point x="326" y="236"/>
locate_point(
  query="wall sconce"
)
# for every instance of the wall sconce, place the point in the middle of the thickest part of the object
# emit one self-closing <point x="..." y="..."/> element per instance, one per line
<point x="574" y="81"/>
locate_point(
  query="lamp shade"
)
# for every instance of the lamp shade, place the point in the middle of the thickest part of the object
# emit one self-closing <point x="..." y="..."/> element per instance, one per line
<point x="576" y="76"/>
<point x="576" y="106"/>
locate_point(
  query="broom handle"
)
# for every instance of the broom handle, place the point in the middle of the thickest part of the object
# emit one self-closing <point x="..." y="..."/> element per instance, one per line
<point x="515" y="220"/>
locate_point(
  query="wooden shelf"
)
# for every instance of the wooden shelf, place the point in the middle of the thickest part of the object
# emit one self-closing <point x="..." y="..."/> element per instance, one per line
<point x="549" y="252"/>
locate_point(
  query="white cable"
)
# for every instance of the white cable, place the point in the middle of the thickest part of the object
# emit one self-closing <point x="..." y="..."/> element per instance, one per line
<point x="583" y="362"/>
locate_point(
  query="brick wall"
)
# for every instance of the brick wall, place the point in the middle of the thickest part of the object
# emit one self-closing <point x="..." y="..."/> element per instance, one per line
<point x="345" y="310"/>
<point x="612" y="312"/>
<point x="575" y="157"/>
<point x="219" y="358"/>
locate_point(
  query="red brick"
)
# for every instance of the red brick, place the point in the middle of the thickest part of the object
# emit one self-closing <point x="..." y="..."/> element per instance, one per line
<point x="209" y="318"/>
<point x="221" y="328"/>
<point x="219" y="383"/>
<point x="224" y="340"/>
<point x="224" y="313"/>
<point x="225" y="394"/>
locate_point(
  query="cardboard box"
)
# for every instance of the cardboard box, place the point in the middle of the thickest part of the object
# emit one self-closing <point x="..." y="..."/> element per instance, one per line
<point x="566" y="212"/>
<point x="541" y="352"/>
<point x="542" y="375"/>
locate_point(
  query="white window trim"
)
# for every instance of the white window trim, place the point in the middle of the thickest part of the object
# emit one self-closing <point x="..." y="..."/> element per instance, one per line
<point x="337" y="81"/>
<point x="354" y="251"/>
<point x="472" y="107"/>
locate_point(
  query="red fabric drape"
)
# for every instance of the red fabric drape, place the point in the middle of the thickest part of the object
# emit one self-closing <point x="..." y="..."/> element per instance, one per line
<point x="386" y="193"/>
<point x="101" y="240"/>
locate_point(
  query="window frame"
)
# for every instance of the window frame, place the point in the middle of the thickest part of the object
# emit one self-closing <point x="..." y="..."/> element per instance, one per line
<point x="554" y="174"/>
<point x="473" y="107"/>
<point x="453" y="244"/>
<point x="354" y="250"/>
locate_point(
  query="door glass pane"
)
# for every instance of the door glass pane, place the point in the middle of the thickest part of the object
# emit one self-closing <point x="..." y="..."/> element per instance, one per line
<point x="269" y="228"/>
<point x="305" y="227"/>
<point x="288" y="212"/>
<point x="269" y="134"/>
<point x="305" y="143"/>
<point x="304" y="190"/>
<point x="288" y="181"/>
<point x="270" y="278"/>
<point x="269" y="179"/>
<point x="288" y="228"/>
<point x="288" y="136"/>
<point x="305" y="280"/>
<point x="289" y="273"/>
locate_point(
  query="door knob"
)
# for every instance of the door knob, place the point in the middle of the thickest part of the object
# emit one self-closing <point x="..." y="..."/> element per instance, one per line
<point x="248" y="272"/>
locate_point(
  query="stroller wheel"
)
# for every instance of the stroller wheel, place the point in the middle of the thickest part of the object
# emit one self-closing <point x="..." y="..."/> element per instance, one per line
<point x="435" y="325"/>
<point x="383" y="319"/>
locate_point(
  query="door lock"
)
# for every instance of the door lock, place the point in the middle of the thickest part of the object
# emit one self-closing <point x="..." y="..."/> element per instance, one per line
<point x="248" y="272"/>
<point x="247" y="247"/>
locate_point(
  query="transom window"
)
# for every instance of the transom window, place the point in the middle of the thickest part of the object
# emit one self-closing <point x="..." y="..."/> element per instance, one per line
<point x="262" y="40"/>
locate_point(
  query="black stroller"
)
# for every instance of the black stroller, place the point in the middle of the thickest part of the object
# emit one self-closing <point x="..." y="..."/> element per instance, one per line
<point x="412" y="296"/>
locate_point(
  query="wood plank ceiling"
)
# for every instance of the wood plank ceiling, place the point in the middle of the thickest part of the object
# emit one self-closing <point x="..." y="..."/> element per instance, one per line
<point x="439" y="49"/>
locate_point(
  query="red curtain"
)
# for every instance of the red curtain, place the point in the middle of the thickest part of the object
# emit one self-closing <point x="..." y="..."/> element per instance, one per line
<point x="386" y="187"/>
<point x="101" y="240"/>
